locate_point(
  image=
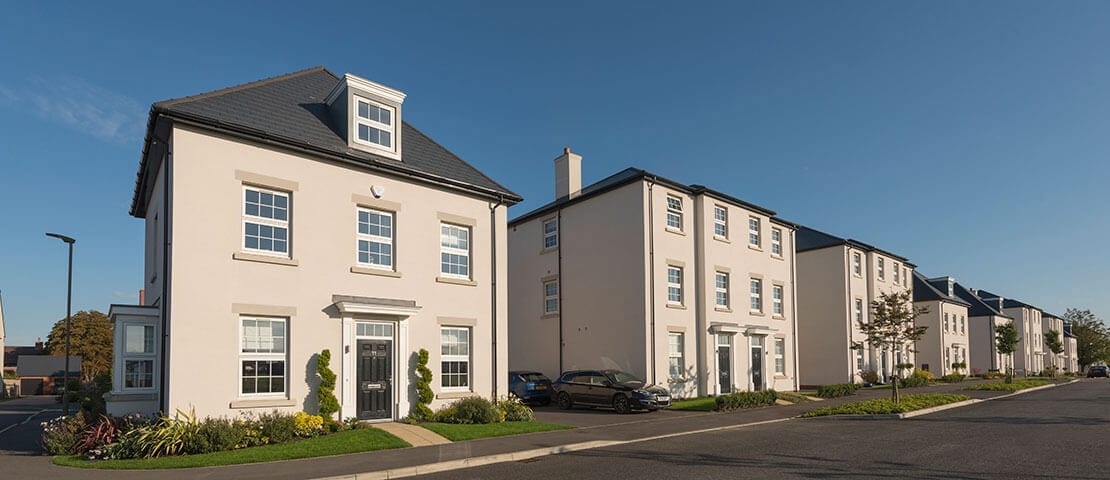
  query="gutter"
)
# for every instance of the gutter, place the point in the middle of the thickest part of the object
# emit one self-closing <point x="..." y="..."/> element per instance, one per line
<point x="651" y="274"/>
<point x="559" y="268"/>
<point x="493" y="288"/>
<point x="167" y="245"/>
<point x="794" y="302"/>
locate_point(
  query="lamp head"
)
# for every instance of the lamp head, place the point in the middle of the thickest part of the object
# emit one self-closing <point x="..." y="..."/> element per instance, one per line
<point x="61" y="237"/>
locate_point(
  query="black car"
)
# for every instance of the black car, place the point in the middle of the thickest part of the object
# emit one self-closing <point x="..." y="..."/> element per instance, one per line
<point x="530" y="386"/>
<point x="1096" y="371"/>
<point x="622" y="391"/>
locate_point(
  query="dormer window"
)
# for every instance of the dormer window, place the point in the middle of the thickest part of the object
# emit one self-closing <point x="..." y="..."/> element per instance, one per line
<point x="368" y="116"/>
<point x="375" y="123"/>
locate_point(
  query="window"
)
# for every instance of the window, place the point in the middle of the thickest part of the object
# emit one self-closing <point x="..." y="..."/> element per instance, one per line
<point x="550" y="234"/>
<point x="676" y="361"/>
<point x="776" y="300"/>
<point x="454" y="250"/>
<point x="882" y="269"/>
<point x="859" y="359"/>
<point x="550" y="297"/>
<point x="674" y="212"/>
<point x="905" y="277"/>
<point x="897" y="278"/>
<point x="138" y="356"/>
<point x="375" y="124"/>
<point x="948" y="357"/>
<point x="674" y="285"/>
<point x="857" y="264"/>
<point x="963" y="324"/>
<point x="722" y="289"/>
<point x="753" y="231"/>
<point x="859" y="310"/>
<point x="945" y="323"/>
<point x="265" y="221"/>
<point x="375" y="238"/>
<point x="262" y="356"/>
<point x="720" y="221"/>
<point x="780" y="356"/>
<point x="776" y="242"/>
<point x="454" y="356"/>
<point x="380" y="330"/>
<point x="757" y="295"/>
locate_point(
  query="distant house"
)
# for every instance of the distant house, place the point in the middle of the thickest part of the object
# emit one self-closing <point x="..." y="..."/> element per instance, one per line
<point x="1054" y="323"/>
<point x="43" y="374"/>
<point x="13" y="352"/>
<point x="983" y="319"/>
<point x="946" y="339"/>
<point x="1029" y="357"/>
<point x="1071" y="350"/>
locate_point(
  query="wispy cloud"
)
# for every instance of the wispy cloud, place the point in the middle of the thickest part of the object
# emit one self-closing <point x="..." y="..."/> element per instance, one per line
<point x="120" y="295"/>
<point x="78" y="104"/>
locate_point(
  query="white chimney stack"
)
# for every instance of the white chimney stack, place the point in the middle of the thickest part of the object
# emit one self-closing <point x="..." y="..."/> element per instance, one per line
<point x="568" y="174"/>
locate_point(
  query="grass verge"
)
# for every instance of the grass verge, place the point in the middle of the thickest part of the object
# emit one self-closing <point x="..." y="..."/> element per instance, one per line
<point x="456" y="432"/>
<point x="880" y="406"/>
<point x="700" y="404"/>
<point x="351" y="441"/>
<point x="1008" y="387"/>
<point x="793" y="397"/>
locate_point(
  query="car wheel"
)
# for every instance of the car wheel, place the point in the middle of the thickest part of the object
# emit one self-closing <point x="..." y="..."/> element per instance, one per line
<point x="621" y="405"/>
<point x="564" y="401"/>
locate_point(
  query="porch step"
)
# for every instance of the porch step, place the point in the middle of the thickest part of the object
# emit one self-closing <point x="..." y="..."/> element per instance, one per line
<point x="417" y="436"/>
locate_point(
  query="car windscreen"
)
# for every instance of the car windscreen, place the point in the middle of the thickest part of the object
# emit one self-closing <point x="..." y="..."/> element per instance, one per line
<point x="533" y="377"/>
<point x="623" y="377"/>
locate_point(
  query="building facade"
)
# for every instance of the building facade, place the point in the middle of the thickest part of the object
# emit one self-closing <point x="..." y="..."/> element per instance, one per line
<point x="297" y="214"/>
<point x="1053" y="326"/>
<point x="946" y="341"/>
<point x="983" y="319"/>
<point x="1029" y="357"/>
<point x="685" y="286"/>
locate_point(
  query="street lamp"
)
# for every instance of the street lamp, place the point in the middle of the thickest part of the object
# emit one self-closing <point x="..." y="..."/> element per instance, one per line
<point x="69" y="302"/>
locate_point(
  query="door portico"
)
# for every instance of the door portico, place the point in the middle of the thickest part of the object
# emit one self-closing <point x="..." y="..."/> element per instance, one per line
<point x="375" y="362"/>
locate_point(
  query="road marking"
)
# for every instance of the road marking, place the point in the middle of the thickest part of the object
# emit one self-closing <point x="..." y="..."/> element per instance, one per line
<point x="24" y="422"/>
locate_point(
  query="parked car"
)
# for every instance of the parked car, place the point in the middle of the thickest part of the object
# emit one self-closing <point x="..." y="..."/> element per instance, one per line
<point x="1097" y="371"/>
<point x="530" y="386"/>
<point x="622" y="391"/>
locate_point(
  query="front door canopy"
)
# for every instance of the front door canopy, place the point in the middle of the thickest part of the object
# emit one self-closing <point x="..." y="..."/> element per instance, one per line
<point x="350" y="304"/>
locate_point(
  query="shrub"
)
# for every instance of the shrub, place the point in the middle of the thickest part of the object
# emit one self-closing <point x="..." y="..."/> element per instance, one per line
<point x="105" y="431"/>
<point x="424" y="394"/>
<point x="793" y="397"/>
<point x="836" y="390"/>
<point x="734" y="401"/>
<point x="993" y="374"/>
<point x="277" y="427"/>
<point x="325" y="393"/>
<point x="953" y="378"/>
<point x="470" y="410"/>
<point x="881" y="406"/>
<point x="869" y="376"/>
<point x="217" y="435"/>
<point x="919" y="378"/>
<point x="1007" y="387"/>
<point x="515" y="410"/>
<point x="165" y="437"/>
<point x="305" y="425"/>
<point x="60" y="435"/>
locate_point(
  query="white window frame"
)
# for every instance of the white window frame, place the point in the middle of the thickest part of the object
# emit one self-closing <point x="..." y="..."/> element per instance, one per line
<point x="553" y="235"/>
<point x="857" y="264"/>
<point x="282" y="356"/>
<point x="456" y="358"/>
<point x="776" y="242"/>
<point x="452" y="250"/>
<point x="721" y="292"/>
<point x="881" y="268"/>
<point x="777" y="293"/>
<point x="144" y="356"/>
<point x="858" y="305"/>
<point x="897" y="268"/>
<point x="755" y="226"/>
<point x="756" y="295"/>
<point x="676" y="355"/>
<point x="388" y="128"/>
<point x="945" y="322"/>
<point x="673" y="287"/>
<point x="371" y="238"/>
<point x="963" y="325"/>
<point x="269" y="222"/>
<point x="550" y="300"/>
<point x="674" y="212"/>
<point x="720" y="221"/>
<point x="780" y="356"/>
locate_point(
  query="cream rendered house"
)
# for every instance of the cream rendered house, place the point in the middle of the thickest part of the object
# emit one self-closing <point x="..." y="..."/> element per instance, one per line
<point x="947" y="339"/>
<point x="1050" y="322"/>
<point x="983" y="319"/>
<point x="1029" y="357"/>
<point x="838" y="278"/>
<point x="1071" y="350"/>
<point x="301" y="213"/>
<point x="687" y="287"/>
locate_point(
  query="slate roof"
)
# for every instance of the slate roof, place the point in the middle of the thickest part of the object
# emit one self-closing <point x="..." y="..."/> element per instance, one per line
<point x="1006" y="302"/>
<point x="13" y="352"/>
<point x="924" y="290"/>
<point x="290" y="110"/>
<point x="978" y="307"/>
<point x="47" y="365"/>
<point x="813" y="239"/>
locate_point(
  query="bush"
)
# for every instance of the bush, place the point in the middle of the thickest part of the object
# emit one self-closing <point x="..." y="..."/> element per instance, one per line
<point x="60" y="435"/>
<point x="869" y="376"/>
<point x="880" y="406"/>
<point x="993" y="374"/>
<point x="793" y="397"/>
<point x="165" y="437"/>
<point x="470" y="410"/>
<point x="325" y="392"/>
<point x="97" y="436"/>
<point x="217" y="435"/>
<point x="953" y="378"/>
<point x="277" y="427"/>
<point x="307" y="426"/>
<point x="734" y="401"/>
<point x="515" y="410"/>
<point x="919" y="378"/>
<point x="424" y="393"/>
<point x="836" y="390"/>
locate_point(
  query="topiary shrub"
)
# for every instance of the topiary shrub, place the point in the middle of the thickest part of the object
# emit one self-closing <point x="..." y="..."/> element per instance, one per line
<point x="836" y="390"/>
<point x="738" y="400"/>
<point x="325" y="393"/>
<point x="424" y="395"/>
<point x="471" y="410"/>
<point x="515" y="410"/>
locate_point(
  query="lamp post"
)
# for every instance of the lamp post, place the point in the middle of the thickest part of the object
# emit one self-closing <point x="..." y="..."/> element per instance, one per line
<point x="69" y="303"/>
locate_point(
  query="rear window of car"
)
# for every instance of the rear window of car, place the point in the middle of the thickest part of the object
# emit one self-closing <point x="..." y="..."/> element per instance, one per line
<point x="533" y="377"/>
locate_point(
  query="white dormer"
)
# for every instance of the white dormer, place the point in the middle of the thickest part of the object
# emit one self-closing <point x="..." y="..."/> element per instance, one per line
<point x="368" y="115"/>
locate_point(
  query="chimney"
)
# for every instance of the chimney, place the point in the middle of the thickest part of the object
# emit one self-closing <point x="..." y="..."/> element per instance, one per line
<point x="142" y="297"/>
<point x="38" y="344"/>
<point x="568" y="174"/>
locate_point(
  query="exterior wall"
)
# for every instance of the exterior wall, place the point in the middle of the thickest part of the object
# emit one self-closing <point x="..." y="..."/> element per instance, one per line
<point x="1059" y="361"/>
<point x="673" y="248"/>
<point x="884" y="362"/>
<point x="981" y="344"/>
<point x="931" y="348"/>
<point x="1071" y="355"/>
<point x="211" y="288"/>
<point x="825" y="285"/>
<point x="1028" y="359"/>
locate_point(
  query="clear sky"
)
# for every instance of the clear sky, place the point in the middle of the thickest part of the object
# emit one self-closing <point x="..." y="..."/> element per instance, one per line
<point x="971" y="137"/>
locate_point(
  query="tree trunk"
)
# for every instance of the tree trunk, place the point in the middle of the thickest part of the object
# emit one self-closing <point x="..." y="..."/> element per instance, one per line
<point x="894" y="388"/>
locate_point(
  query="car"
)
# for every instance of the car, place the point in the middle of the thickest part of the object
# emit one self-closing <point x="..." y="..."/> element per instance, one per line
<point x="1097" y="371"/>
<point x="621" y="391"/>
<point x="530" y="386"/>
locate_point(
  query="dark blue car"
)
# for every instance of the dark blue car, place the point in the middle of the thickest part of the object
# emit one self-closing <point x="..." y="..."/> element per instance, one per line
<point x="530" y="386"/>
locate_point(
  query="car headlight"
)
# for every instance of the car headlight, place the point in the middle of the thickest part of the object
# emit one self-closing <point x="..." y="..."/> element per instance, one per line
<point x="643" y="393"/>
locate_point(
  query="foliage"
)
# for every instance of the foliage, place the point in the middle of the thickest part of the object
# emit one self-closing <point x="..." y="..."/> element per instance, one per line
<point x="277" y="427"/>
<point x="1006" y="339"/>
<point x="168" y="436"/>
<point x="1092" y="338"/>
<point x="470" y="410"/>
<point x="953" y="378"/>
<point x="1007" y="387"/>
<point x="514" y="410"/>
<point x="325" y="393"/>
<point x="869" y="376"/>
<point x="886" y="406"/>
<point x="992" y="374"/>
<point x="305" y="425"/>
<point x="892" y="324"/>
<point x="424" y="394"/>
<point x="700" y="404"/>
<point x="90" y="395"/>
<point x="957" y="366"/>
<point x="91" y="338"/>
<point x="919" y="378"/>
<point x="738" y="400"/>
<point x="61" y="435"/>
<point x="1053" y="342"/>
<point x="103" y="432"/>
<point x="793" y="397"/>
<point x="459" y="432"/>
<point x="217" y="435"/>
<point x="837" y="390"/>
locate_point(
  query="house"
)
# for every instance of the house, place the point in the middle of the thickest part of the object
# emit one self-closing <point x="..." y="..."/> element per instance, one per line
<point x="685" y="286"/>
<point x="983" y="319"/>
<point x="1071" y="350"/>
<point x="298" y="214"/>
<point x="13" y="352"/>
<point x="44" y="374"/>
<point x="947" y="338"/>
<point x="838" y="278"/>
<point x="1053" y="325"/>
<point x="1029" y="357"/>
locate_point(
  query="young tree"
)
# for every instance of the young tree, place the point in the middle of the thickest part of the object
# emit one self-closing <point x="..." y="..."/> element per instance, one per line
<point x="1005" y="340"/>
<point x="892" y="326"/>
<point x="1055" y="345"/>
<point x="1092" y="339"/>
<point x="90" y="337"/>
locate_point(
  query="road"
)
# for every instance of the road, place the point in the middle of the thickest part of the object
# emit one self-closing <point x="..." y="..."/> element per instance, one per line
<point x="1061" y="432"/>
<point x="19" y="423"/>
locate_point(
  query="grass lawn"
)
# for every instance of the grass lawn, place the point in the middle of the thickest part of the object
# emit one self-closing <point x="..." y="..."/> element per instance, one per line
<point x="880" y="406"/>
<point x="793" y="397"/>
<point x="701" y="404"/>
<point x="351" y="441"/>
<point x="457" y="432"/>
<point x="1008" y="387"/>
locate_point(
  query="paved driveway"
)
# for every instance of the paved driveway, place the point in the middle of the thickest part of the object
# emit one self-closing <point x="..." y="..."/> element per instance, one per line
<point x="20" y="421"/>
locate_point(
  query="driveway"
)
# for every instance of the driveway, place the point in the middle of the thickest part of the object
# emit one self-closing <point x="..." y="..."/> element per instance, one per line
<point x="20" y="423"/>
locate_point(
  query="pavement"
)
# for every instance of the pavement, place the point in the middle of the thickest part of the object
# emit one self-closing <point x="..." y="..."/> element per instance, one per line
<point x="20" y="421"/>
<point x="416" y="436"/>
<point x="597" y="429"/>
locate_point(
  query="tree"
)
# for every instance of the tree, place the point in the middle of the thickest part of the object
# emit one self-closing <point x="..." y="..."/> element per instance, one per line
<point x="1092" y="339"/>
<point x="1052" y="341"/>
<point x="892" y="326"/>
<point x="91" y="338"/>
<point x="325" y="393"/>
<point x="1005" y="340"/>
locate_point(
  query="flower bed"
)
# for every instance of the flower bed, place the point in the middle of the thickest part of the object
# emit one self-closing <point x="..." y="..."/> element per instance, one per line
<point x="1007" y="387"/>
<point x="881" y="406"/>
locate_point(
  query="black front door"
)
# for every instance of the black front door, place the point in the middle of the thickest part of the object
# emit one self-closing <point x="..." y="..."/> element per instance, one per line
<point x="724" y="368"/>
<point x="375" y="379"/>
<point x="757" y="368"/>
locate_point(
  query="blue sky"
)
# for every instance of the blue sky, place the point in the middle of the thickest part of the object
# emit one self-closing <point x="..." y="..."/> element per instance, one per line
<point x="970" y="137"/>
